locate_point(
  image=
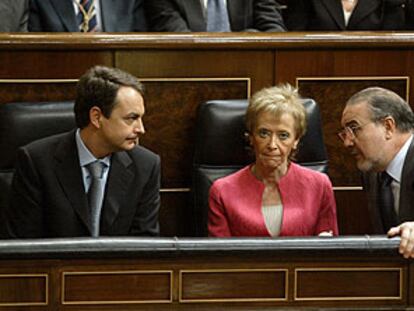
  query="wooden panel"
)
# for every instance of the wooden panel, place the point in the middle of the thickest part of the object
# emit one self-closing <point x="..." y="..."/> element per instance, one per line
<point x="49" y="64"/>
<point x="356" y="273"/>
<point x="37" y="90"/>
<point x="348" y="284"/>
<point x="173" y="213"/>
<point x="121" y="287"/>
<point x="333" y="62"/>
<point x="256" y="65"/>
<point x="293" y="63"/>
<point x="411" y="283"/>
<point x="352" y="212"/>
<point x="233" y="285"/>
<point x="171" y="107"/>
<point x="331" y="94"/>
<point x="23" y="290"/>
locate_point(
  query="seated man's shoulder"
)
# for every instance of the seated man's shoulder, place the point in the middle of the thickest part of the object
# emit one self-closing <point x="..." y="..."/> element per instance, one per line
<point x="140" y="151"/>
<point x="48" y="142"/>
<point x="140" y="155"/>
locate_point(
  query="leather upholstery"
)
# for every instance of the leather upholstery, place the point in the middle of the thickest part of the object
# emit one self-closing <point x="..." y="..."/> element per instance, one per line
<point x="221" y="148"/>
<point x="24" y="122"/>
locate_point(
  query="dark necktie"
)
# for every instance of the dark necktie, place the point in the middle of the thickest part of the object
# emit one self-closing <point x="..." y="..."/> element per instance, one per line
<point x="87" y="16"/>
<point x="386" y="202"/>
<point x="95" y="194"/>
<point x="217" y="16"/>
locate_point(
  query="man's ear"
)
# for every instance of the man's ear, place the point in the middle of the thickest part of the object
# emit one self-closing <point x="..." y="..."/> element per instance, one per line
<point x="95" y="115"/>
<point x="390" y="126"/>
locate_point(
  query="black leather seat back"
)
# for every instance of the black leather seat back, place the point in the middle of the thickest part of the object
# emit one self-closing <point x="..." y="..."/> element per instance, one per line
<point x="22" y="123"/>
<point x="221" y="149"/>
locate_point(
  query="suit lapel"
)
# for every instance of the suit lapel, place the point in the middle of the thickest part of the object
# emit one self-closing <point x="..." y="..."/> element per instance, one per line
<point x="64" y="8"/>
<point x="406" y="209"/>
<point x="69" y="175"/>
<point x="118" y="183"/>
<point x="107" y="9"/>
<point x="334" y="8"/>
<point x="362" y="9"/>
<point x="194" y="14"/>
<point x="235" y="8"/>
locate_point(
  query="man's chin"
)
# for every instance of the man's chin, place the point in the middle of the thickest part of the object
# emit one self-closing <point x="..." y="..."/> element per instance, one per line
<point x="364" y="165"/>
<point x="129" y="146"/>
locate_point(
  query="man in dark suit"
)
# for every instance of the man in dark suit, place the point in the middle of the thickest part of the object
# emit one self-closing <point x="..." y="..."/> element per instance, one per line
<point x="14" y="15"/>
<point x="52" y="185"/>
<point x="378" y="132"/>
<point x="190" y="15"/>
<point x="330" y="15"/>
<point x="63" y="15"/>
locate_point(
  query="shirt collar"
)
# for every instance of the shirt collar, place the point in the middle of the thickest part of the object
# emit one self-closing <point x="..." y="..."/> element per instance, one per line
<point x="85" y="156"/>
<point x="395" y="167"/>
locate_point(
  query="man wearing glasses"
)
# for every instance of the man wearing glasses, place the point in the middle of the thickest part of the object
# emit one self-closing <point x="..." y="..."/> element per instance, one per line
<point x="378" y="131"/>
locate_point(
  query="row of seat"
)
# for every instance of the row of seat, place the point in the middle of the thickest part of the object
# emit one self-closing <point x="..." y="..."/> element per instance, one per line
<point x="220" y="147"/>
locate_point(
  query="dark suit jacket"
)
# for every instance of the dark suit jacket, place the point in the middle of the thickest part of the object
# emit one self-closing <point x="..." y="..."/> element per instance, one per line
<point x="406" y="209"/>
<point x="188" y="15"/>
<point x="48" y="197"/>
<point x="328" y="15"/>
<point x="59" y="16"/>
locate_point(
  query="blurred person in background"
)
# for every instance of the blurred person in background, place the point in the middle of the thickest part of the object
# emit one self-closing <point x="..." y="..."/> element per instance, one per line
<point x="214" y="15"/>
<point x="87" y="16"/>
<point x="336" y="15"/>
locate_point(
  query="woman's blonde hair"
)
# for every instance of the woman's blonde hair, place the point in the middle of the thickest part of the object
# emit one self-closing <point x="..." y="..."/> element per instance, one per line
<point x="277" y="100"/>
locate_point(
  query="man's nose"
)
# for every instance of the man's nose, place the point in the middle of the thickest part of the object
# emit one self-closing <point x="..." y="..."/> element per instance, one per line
<point x="348" y="141"/>
<point x="139" y="128"/>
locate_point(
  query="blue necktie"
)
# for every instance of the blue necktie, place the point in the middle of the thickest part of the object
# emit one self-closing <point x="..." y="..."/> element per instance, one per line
<point x="386" y="202"/>
<point x="217" y="16"/>
<point x="86" y="16"/>
<point x="96" y="194"/>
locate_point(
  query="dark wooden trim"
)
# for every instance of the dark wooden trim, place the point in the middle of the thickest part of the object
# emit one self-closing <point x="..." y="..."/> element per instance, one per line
<point x="243" y="41"/>
<point x="202" y="274"/>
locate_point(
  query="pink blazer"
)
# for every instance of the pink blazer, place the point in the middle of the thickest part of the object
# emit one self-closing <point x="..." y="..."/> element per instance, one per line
<point x="307" y="197"/>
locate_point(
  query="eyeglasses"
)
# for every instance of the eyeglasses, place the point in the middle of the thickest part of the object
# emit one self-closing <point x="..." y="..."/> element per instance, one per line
<point x="351" y="131"/>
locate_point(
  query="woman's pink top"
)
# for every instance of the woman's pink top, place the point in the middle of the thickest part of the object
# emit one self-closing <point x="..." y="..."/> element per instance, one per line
<point x="308" y="204"/>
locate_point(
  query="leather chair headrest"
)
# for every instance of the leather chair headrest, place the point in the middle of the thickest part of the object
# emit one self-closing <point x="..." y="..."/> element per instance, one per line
<point x="221" y="141"/>
<point x="24" y="122"/>
<point x="220" y="136"/>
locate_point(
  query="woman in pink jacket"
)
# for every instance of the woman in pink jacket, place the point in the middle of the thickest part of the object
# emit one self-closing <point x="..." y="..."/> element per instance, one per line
<point x="273" y="196"/>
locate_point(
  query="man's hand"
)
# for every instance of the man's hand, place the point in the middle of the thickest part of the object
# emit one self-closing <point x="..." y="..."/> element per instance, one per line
<point x="406" y="231"/>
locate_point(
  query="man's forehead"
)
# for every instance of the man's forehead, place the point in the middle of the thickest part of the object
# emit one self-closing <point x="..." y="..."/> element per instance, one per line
<point x="355" y="112"/>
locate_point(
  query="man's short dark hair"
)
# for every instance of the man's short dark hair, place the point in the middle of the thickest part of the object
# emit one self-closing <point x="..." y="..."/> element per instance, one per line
<point x="383" y="103"/>
<point x="99" y="87"/>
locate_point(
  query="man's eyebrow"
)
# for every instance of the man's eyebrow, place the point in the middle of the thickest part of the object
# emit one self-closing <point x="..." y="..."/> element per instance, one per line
<point x="133" y="114"/>
<point x="352" y="122"/>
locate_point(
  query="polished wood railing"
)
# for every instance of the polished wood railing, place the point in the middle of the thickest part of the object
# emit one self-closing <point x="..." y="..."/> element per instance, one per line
<point x="347" y="273"/>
